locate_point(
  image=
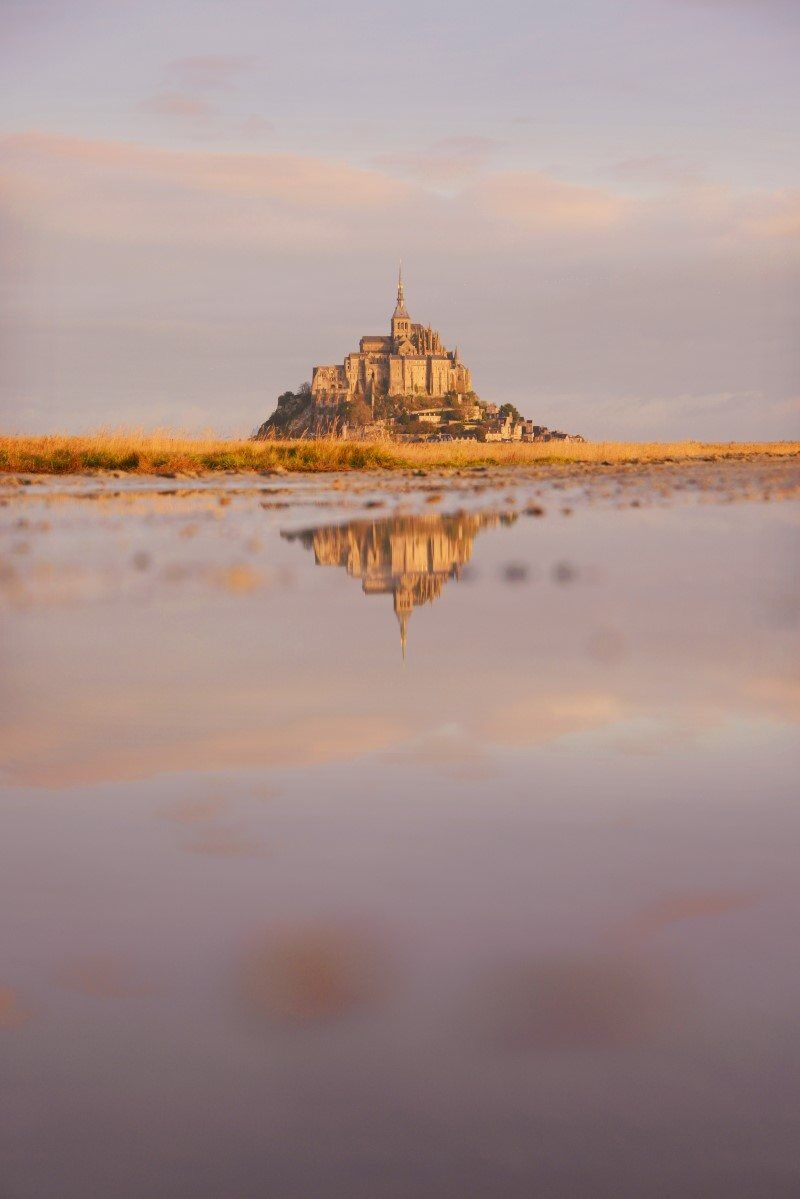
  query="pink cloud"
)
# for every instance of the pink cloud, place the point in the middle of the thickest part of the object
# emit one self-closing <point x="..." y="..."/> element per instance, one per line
<point x="659" y="169"/>
<point x="535" y="203"/>
<point x="129" y="192"/>
<point x="774" y="215"/>
<point x="178" y="104"/>
<point x="133" y="193"/>
<point x="255" y="126"/>
<point x="446" y="161"/>
<point x="209" y="72"/>
<point x="199" y="118"/>
<point x="305" y="181"/>
<point x="471" y="144"/>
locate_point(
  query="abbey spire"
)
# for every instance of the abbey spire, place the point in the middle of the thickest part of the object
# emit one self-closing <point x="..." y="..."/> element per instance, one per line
<point x="401" y="321"/>
<point x="400" y="309"/>
<point x="401" y="303"/>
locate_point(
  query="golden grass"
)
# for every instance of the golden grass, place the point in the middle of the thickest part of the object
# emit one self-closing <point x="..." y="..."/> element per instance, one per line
<point x="164" y="452"/>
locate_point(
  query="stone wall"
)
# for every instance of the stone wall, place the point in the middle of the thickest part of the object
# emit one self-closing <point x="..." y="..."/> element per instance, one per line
<point x="410" y="362"/>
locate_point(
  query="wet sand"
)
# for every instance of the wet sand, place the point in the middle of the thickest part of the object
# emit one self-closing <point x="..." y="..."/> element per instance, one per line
<point x="405" y="835"/>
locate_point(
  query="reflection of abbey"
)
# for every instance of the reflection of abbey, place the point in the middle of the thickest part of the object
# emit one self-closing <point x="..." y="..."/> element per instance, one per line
<point x="410" y="361"/>
<point x="408" y="557"/>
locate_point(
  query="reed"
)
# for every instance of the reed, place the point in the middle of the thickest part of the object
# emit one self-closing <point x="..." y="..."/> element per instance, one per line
<point x="165" y="452"/>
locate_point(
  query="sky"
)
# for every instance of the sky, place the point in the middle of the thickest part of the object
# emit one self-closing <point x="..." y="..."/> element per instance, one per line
<point x="597" y="200"/>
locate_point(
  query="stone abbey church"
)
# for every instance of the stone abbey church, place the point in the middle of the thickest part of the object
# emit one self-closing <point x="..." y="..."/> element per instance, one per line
<point x="410" y="361"/>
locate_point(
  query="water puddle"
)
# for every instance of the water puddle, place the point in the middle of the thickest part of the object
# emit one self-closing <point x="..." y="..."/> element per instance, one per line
<point x="415" y="843"/>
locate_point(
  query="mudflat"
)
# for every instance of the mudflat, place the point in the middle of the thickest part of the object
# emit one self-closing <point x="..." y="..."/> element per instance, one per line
<point x="421" y="832"/>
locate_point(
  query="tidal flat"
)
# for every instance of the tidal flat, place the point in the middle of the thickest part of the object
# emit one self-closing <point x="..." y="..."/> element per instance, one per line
<point x="401" y="835"/>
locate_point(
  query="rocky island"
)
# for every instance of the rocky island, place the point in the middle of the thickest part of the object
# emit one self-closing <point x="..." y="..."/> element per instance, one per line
<point x="405" y="384"/>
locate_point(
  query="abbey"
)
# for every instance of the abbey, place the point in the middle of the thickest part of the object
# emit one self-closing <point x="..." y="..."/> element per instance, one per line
<point x="403" y="385"/>
<point x="410" y="361"/>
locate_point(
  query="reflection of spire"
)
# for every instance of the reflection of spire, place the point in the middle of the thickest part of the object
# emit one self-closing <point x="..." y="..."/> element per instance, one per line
<point x="403" y="594"/>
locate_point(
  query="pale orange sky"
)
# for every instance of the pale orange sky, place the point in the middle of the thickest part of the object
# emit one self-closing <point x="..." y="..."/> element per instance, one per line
<point x="599" y="204"/>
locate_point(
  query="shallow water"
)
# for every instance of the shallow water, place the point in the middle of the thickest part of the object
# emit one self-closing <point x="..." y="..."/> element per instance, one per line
<point x="367" y="840"/>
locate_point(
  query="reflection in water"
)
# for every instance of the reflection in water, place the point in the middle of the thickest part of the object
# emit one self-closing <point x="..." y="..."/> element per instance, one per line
<point x="14" y="1012"/>
<point x="281" y="918"/>
<point x="408" y="557"/>
<point x="576" y="1003"/>
<point x="692" y="906"/>
<point x="101" y="976"/>
<point x="318" y="973"/>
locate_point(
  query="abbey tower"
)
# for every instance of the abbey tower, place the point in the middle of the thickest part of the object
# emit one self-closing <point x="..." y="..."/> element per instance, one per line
<point x="410" y="361"/>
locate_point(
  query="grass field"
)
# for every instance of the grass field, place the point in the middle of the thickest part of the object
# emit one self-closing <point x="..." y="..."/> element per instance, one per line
<point x="164" y="452"/>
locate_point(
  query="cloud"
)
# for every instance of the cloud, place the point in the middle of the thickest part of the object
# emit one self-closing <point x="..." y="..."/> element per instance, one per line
<point x="305" y="181"/>
<point x="471" y="144"/>
<point x="178" y="104"/>
<point x="255" y="126"/>
<point x="201" y="120"/>
<point x="184" y="97"/>
<point x="136" y="193"/>
<point x="773" y="215"/>
<point x="210" y="72"/>
<point x="133" y="193"/>
<point x="662" y="170"/>
<point x="446" y="161"/>
<point x="532" y="202"/>
<point x="775" y="696"/>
